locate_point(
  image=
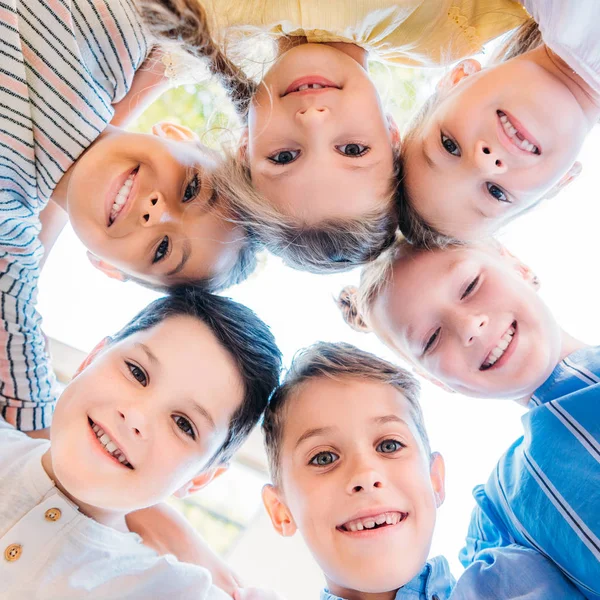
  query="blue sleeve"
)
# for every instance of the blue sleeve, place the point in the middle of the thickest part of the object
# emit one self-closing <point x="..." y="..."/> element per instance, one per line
<point x="513" y="572"/>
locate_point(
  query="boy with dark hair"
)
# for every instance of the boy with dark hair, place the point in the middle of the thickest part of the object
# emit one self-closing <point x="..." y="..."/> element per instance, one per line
<point x="158" y="409"/>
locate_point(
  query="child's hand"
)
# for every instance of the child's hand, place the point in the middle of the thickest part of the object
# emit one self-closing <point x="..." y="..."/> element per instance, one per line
<point x="251" y="593"/>
<point x="164" y="530"/>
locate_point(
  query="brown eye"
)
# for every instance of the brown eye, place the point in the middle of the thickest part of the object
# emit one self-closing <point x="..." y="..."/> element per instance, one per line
<point x="138" y="373"/>
<point x="192" y="189"/>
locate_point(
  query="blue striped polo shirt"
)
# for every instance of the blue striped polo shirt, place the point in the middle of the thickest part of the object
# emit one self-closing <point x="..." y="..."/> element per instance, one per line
<point x="544" y="493"/>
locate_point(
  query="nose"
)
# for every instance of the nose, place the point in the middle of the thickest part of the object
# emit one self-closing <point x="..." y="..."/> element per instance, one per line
<point x="312" y="116"/>
<point x="154" y="210"/>
<point x="471" y="326"/>
<point x="488" y="159"/>
<point x="364" y="479"/>
<point x="134" y="421"/>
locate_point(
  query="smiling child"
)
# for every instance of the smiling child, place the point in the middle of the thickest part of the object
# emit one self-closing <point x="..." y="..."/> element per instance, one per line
<point x="482" y="330"/>
<point x="156" y="410"/>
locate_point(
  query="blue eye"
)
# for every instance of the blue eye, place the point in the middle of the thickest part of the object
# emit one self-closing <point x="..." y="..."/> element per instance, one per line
<point x="162" y="250"/>
<point x="185" y="425"/>
<point x="389" y="446"/>
<point x="138" y="373"/>
<point x="450" y="145"/>
<point x="284" y="157"/>
<point x="324" y="459"/>
<point x="352" y="149"/>
<point x="192" y="189"/>
<point x="496" y="192"/>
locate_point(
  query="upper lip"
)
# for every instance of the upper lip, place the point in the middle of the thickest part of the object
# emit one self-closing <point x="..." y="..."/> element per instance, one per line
<point x="508" y="143"/>
<point x="494" y="344"/>
<point x="114" y="189"/>
<point x="326" y="83"/>
<point x="113" y="439"/>
<point x="372" y="512"/>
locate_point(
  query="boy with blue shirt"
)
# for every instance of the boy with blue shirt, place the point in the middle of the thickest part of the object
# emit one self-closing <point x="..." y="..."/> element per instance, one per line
<point x="158" y="409"/>
<point x="484" y="331"/>
<point x="352" y="470"/>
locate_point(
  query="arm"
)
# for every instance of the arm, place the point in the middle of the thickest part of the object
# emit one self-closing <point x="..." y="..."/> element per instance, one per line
<point x="513" y="572"/>
<point x="166" y="531"/>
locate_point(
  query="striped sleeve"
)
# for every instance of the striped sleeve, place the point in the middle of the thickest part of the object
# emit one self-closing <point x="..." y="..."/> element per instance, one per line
<point x="63" y="63"/>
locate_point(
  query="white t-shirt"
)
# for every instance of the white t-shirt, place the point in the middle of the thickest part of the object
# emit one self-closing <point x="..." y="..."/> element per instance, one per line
<point x="571" y="30"/>
<point x="51" y="551"/>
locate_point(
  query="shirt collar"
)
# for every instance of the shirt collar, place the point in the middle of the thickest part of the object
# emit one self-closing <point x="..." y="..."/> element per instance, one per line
<point x="578" y="370"/>
<point x="434" y="582"/>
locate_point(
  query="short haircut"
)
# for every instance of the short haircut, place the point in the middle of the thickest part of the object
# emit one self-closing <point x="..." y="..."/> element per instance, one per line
<point x="336" y="361"/>
<point x="247" y="339"/>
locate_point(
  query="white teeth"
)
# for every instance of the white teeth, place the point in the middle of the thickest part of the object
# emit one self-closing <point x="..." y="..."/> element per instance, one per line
<point x="390" y="518"/>
<point x="310" y="86"/>
<point x="121" y="197"/>
<point x="511" y="132"/>
<point x="500" y="349"/>
<point x="109" y="445"/>
<point x="303" y="87"/>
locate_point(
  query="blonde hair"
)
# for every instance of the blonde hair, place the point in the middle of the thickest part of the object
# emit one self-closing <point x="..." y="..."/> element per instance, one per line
<point x="417" y="230"/>
<point x="337" y="361"/>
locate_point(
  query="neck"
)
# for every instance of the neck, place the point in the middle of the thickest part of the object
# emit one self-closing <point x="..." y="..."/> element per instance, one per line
<point x="588" y="99"/>
<point x="355" y="52"/>
<point x="568" y="345"/>
<point x="113" y="519"/>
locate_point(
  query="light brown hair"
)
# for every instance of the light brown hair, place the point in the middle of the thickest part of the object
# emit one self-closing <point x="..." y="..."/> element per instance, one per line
<point x="338" y="361"/>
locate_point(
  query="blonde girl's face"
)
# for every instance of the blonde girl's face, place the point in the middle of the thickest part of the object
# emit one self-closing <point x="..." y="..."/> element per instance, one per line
<point x="471" y="318"/>
<point x="318" y="154"/>
<point x="499" y="141"/>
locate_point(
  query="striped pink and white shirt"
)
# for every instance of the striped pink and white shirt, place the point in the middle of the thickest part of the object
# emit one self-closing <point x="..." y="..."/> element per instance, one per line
<point x="63" y="64"/>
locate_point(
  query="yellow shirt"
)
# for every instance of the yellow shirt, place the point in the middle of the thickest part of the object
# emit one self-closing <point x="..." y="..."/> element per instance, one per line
<point x="409" y="32"/>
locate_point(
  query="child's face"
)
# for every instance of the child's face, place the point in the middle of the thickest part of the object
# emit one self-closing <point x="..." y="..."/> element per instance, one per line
<point x="351" y="456"/>
<point x="472" y="319"/>
<point x="164" y="397"/>
<point x="167" y="229"/>
<point x="320" y="153"/>
<point x="468" y="171"/>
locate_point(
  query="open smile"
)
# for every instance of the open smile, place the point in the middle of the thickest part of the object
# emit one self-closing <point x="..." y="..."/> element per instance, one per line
<point x="120" y="194"/>
<point x="110" y="448"/>
<point x="373" y="522"/>
<point x="512" y="132"/>
<point x="501" y="352"/>
<point x="311" y="84"/>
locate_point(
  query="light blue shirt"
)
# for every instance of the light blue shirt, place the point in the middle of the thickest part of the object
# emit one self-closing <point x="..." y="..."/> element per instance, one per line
<point x="434" y="582"/>
<point x="544" y="493"/>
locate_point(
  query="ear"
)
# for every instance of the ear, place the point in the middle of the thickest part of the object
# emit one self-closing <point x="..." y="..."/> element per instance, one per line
<point x="92" y="355"/>
<point x="280" y="515"/>
<point x="108" y="269"/>
<point x="202" y="480"/>
<point x="437" y="473"/>
<point x="394" y="131"/>
<point x="463" y="69"/>
<point x="172" y="131"/>
<point x="434" y="380"/>
<point x="565" y="180"/>
<point x="524" y="271"/>
<point x="243" y="146"/>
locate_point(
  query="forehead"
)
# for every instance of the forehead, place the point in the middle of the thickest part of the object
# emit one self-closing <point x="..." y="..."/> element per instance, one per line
<point x="347" y="405"/>
<point x="191" y="154"/>
<point x="189" y="359"/>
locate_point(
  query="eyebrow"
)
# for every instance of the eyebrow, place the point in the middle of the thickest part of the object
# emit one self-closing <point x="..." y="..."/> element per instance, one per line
<point x="204" y="413"/>
<point x="185" y="255"/>
<point x="313" y="433"/>
<point x="389" y="419"/>
<point x="151" y="357"/>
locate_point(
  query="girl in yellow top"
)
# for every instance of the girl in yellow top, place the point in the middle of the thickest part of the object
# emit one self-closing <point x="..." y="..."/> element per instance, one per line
<point x="319" y="155"/>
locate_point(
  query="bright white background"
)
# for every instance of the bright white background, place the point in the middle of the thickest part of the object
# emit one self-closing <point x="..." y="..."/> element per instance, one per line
<point x="559" y="240"/>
